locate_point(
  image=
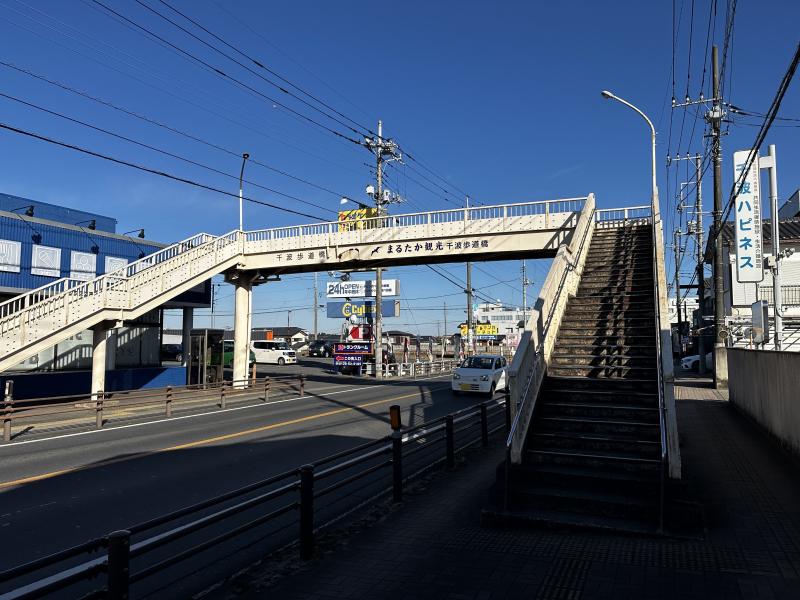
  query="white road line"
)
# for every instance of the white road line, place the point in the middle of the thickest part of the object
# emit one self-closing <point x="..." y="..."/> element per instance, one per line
<point x="205" y="414"/>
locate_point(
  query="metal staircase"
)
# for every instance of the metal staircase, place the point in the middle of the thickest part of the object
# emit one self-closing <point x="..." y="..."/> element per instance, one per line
<point x="38" y="319"/>
<point x="594" y="435"/>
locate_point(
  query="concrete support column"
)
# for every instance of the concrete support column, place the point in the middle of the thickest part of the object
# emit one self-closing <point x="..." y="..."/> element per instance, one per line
<point x="111" y="350"/>
<point x="99" y="347"/>
<point x="186" y="336"/>
<point x="241" y="327"/>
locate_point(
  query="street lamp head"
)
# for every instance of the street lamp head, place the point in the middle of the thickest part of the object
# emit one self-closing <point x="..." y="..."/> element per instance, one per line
<point x="344" y="201"/>
<point x="245" y="156"/>
<point x="606" y="94"/>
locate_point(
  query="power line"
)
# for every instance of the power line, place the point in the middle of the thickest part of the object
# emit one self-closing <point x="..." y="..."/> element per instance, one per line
<point x="248" y="127"/>
<point x="152" y="171"/>
<point x="168" y="127"/>
<point x="160" y="151"/>
<point x="762" y="134"/>
<point x="211" y="68"/>
<point x="267" y="69"/>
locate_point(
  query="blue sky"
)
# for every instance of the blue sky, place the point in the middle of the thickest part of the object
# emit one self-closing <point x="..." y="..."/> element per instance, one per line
<point x="500" y="99"/>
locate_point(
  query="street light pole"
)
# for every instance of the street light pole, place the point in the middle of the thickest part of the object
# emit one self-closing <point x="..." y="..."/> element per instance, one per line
<point x="654" y="188"/>
<point x="245" y="156"/>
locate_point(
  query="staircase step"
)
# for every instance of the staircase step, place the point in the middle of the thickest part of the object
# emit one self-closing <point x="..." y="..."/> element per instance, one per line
<point x="572" y="475"/>
<point x="625" y="461"/>
<point x="600" y="392"/>
<point x="575" y="382"/>
<point x="599" y="372"/>
<point x="602" y="360"/>
<point x="596" y="443"/>
<point x="616" y="410"/>
<point x="557" y="520"/>
<point x="614" y="419"/>
<point x="593" y="348"/>
<point x="580" y="501"/>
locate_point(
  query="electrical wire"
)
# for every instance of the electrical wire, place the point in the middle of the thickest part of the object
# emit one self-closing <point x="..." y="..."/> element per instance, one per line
<point x="756" y="147"/>
<point x="261" y="65"/>
<point x="233" y="80"/>
<point x="150" y="170"/>
<point x="161" y="151"/>
<point x="169" y="128"/>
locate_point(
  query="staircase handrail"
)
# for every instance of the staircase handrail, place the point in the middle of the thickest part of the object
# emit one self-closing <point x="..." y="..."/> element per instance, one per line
<point x="534" y="356"/>
<point x="663" y="347"/>
<point x="51" y="291"/>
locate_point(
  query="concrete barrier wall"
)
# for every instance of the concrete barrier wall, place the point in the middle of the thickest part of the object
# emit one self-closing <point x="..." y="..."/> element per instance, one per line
<point x="765" y="385"/>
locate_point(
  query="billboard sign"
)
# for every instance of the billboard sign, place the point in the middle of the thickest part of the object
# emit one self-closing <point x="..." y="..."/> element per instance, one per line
<point x="747" y="220"/>
<point x="355" y="219"/>
<point x="350" y="354"/>
<point x="352" y="348"/>
<point x="362" y="308"/>
<point x="348" y="360"/>
<point x="481" y="330"/>
<point x="360" y="289"/>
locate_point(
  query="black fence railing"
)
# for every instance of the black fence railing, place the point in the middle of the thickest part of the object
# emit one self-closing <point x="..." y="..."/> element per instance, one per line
<point x="220" y="535"/>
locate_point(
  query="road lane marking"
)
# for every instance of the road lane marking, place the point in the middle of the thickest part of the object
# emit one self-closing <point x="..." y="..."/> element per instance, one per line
<point x="219" y="438"/>
<point x="329" y="413"/>
<point x="204" y="414"/>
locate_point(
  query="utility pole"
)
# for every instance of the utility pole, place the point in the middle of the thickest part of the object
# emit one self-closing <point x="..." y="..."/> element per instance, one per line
<point x="213" y="295"/>
<point x="715" y="118"/>
<point x="701" y="284"/>
<point x="525" y="284"/>
<point x="444" y="337"/>
<point x="384" y="150"/>
<point x="770" y="162"/>
<point x="676" y="237"/>
<point x="316" y="306"/>
<point x="470" y="318"/>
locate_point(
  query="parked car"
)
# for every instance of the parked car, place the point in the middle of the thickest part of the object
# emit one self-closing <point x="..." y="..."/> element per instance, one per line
<point x="320" y="348"/>
<point x="691" y="363"/>
<point x="275" y="353"/>
<point x="172" y="352"/>
<point x="483" y="373"/>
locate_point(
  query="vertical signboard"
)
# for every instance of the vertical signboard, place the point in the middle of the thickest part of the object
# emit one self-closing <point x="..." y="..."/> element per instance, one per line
<point x="747" y="221"/>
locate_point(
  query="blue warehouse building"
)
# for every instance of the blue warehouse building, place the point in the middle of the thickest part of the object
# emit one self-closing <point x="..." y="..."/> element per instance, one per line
<point x="41" y="243"/>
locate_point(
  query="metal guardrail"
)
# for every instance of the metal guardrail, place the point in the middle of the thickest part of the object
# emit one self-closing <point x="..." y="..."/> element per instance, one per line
<point x="129" y="557"/>
<point x="43" y="410"/>
<point x="790" y="294"/>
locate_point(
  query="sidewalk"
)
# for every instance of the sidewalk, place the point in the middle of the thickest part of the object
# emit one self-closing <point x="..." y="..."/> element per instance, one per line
<point x="433" y="546"/>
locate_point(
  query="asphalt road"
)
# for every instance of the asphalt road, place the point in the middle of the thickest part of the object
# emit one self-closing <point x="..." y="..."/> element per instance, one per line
<point x="59" y="491"/>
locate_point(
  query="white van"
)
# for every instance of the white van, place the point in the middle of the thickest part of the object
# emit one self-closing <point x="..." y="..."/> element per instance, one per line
<point x="275" y="353"/>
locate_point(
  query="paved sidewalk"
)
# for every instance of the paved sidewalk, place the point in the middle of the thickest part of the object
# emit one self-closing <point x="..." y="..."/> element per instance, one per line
<point x="433" y="546"/>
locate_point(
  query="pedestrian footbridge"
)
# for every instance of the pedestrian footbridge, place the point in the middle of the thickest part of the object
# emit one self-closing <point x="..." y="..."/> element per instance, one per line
<point x="38" y="319"/>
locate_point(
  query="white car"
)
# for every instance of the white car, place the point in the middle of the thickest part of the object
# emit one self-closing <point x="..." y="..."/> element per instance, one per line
<point x="276" y="353"/>
<point x="691" y="363"/>
<point x="483" y="373"/>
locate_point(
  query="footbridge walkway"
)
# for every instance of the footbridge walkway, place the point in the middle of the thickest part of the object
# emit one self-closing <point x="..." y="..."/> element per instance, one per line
<point x="38" y="319"/>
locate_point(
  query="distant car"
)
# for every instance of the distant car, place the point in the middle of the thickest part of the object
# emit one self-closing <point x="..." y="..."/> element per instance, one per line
<point x="172" y="352"/>
<point x="320" y="348"/>
<point x="482" y="373"/>
<point x="691" y="363"/>
<point x="276" y="353"/>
